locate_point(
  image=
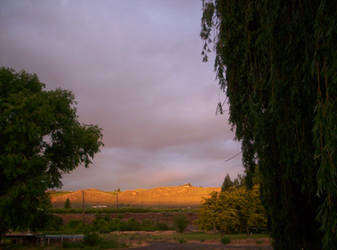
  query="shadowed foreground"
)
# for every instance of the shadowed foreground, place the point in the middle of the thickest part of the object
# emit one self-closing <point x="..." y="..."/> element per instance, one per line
<point x="197" y="246"/>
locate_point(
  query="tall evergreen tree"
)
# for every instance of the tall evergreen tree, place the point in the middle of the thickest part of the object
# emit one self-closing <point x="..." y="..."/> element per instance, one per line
<point x="277" y="62"/>
<point x="67" y="203"/>
<point x="227" y="183"/>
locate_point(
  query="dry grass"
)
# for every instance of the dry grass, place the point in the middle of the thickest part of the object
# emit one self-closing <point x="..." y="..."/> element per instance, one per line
<point x="180" y="196"/>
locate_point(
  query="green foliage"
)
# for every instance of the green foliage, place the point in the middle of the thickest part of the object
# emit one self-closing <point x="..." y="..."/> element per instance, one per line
<point x="276" y="61"/>
<point x="225" y="240"/>
<point x="103" y="224"/>
<point x="74" y="227"/>
<point x="234" y="211"/>
<point x="91" y="239"/>
<point x="180" y="223"/>
<point x="53" y="223"/>
<point x="106" y="224"/>
<point x="111" y="243"/>
<point x="40" y="140"/>
<point x="227" y="183"/>
<point x="94" y="241"/>
<point x="67" y="204"/>
<point x="162" y="226"/>
<point x="181" y="240"/>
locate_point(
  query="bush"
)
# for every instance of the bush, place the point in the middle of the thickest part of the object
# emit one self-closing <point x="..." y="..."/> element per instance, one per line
<point x="162" y="226"/>
<point x="72" y="244"/>
<point x="148" y="225"/>
<point x="77" y="226"/>
<point x="105" y="224"/>
<point x="233" y="211"/>
<point x="180" y="223"/>
<point x="94" y="241"/>
<point x="111" y="243"/>
<point x="102" y="224"/>
<point x="130" y="225"/>
<point x="91" y="239"/>
<point x="225" y="240"/>
<point x="54" y="223"/>
<point x="115" y="225"/>
<point x="181" y="240"/>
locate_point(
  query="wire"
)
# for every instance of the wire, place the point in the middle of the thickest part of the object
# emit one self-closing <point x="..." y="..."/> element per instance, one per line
<point x="233" y="156"/>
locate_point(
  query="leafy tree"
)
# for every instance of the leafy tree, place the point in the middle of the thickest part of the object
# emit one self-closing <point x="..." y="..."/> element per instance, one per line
<point x="276" y="61"/>
<point x="40" y="139"/>
<point x="67" y="203"/>
<point x="227" y="183"/>
<point x="233" y="211"/>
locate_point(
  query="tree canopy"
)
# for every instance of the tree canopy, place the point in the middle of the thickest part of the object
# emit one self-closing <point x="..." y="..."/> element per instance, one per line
<point x="227" y="183"/>
<point x="235" y="210"/>
<point x="40" y="139"/>
<point x="276" y="61"/>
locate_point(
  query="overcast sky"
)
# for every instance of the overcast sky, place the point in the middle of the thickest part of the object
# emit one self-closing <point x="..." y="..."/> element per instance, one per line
<point x="136" y="71"/>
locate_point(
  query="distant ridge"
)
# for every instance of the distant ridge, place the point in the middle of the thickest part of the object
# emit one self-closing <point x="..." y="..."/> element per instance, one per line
<point x="178" y="196"/>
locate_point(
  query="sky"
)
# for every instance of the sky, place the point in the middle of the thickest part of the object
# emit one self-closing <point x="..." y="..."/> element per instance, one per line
<point x="136" y="70"/>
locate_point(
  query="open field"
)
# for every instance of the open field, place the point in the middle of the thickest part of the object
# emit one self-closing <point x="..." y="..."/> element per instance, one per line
<point x="168" y="197"/>
<point x="140" y="228"/>
<point x="166" y="218"/>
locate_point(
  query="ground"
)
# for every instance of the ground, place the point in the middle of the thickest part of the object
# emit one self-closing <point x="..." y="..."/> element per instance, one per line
<point x="194" y="240"/>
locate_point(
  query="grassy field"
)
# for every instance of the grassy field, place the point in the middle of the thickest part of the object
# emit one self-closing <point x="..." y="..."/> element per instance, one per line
<point x="108" y="231"/>
<point x="188" y="236"/>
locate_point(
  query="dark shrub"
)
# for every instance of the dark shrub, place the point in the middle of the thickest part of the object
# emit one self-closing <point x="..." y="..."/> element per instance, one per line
<point x="102" y="224"/>
<point x="91" y="239"/>
<point x="130" y="225"/>
<point x="225" y="240"/>
<point x="162" y="226"/>
<point x="180" y="223"/>
<point x="77" y="226"/>
<point x="54" y="223"/>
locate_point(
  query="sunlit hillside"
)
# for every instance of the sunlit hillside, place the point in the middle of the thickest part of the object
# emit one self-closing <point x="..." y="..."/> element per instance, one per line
<point x="179" y="196"/>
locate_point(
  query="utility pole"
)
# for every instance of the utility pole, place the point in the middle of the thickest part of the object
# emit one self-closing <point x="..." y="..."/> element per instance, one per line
<point x="83" y="206"/>
<point x="116" y="192"/>
<point x="117" y="199"/>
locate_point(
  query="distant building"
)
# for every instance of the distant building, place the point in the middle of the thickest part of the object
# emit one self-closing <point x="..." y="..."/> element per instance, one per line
<point x="99" y="206"/>
<point x="187" y="185"/>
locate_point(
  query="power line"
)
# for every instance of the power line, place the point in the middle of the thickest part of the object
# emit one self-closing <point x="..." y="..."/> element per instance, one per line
<point x="232" y="157"/>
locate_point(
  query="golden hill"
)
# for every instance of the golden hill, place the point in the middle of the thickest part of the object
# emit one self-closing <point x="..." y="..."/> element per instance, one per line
<point x="179" y="196"/>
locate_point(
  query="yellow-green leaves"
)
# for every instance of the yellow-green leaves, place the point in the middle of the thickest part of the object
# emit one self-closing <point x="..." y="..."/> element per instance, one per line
<point x="232" y="211"/>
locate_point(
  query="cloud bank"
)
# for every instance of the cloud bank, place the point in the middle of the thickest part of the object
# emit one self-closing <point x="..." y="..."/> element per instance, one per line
<point x="135" y="69"/>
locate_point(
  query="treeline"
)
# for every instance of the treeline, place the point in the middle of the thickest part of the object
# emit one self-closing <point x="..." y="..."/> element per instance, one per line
<point x="235" y="209"/>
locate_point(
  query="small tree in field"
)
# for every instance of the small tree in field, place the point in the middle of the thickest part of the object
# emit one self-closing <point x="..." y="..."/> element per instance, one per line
<point x="67" y="203"/>
<point x="180" y="223"/>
